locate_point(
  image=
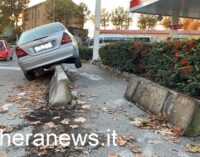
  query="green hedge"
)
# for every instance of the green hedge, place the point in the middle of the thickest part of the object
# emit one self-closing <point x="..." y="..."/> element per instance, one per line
<point x="85" y="52"/>
<point x="173" y="64"/>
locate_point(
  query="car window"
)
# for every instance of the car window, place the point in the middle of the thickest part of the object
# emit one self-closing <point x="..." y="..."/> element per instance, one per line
<point x="1" y="45"/>
<point x="40" y="32"/>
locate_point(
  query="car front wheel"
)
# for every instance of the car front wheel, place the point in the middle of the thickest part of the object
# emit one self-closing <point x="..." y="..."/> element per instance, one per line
<point x="78" y="63"/>
<point x="30" y="76"/>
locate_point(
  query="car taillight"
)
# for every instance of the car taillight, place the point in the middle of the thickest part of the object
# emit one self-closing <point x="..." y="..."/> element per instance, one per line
<point x="20" y="53"/>
<point x="66" y="39"/>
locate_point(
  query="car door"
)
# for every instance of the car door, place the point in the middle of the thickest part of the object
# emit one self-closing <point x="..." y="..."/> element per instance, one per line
<point x="8" y="50"/>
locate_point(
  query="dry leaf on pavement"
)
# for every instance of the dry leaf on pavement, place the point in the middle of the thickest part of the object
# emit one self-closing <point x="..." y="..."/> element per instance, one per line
<point x="3" y="154"/>
<point x="113" y="155"/>
<point x="109" y="111"/>
<point x="135" y="148"/>
<point x="2" y="110"/>
<point x="139" y="122"/>
<point x="120" y="141"/>
<point x="55" y="118"/>
<point x="35" y="123"/>
<point x="194" y="148"/>
<point x="65" y="121"/>
<point x="80" y="102"/>
<point x="73" y="126"/>
<point x="80" y="120"/>
<point x="86" y="107"/>
<point x="51" y="125"/>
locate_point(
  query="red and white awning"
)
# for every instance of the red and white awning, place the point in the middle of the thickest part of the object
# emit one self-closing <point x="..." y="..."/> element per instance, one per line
<point x="183" y="8"/>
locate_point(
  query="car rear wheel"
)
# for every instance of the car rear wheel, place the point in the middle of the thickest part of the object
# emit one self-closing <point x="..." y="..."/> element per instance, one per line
<point x="30" y="76"/>
<point x="78" y="63"/>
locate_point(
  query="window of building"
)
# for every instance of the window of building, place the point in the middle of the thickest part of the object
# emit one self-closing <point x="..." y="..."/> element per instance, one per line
<point x="38" y="12"/>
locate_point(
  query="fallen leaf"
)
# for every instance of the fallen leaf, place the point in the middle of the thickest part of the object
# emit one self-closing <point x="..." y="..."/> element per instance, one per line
<point x="113" y="155"/>
<point x="35" y="123"/>
<point x="82" y="95"/>
<point x="86" y="107"/>
<point x="55" y="118"/>
<point x="128" y="138"/>
<point x="193" y="148"/>
<point x="80" y="102"/>
<point x="80" y="120"/>
<point x="65" y="121"/>
<point x="6" y="129"/>
<point x="120" y="141"/>
<point x="2" y="154"/>
<point x="109" y="111"/>
<point x="135" y="148"/>
<point x="73" y="126"/>
<point x="3" y="110"/>
<point x="51" y="125"/>
<point x="139" y="122"/>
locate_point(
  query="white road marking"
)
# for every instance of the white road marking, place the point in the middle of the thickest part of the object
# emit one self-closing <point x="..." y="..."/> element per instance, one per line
<point x="10" y="68"/>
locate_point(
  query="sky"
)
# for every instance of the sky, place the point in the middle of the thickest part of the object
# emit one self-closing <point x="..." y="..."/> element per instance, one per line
<point x="108" y="4"/>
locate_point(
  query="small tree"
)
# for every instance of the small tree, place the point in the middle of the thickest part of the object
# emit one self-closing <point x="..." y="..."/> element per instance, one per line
<point x="190" y="24"/>
<point x="60" y="10"/>
<point x="166" y="22"/>
<point x="120" y="18"/>
<point x="83" y="13"/>
<point x="147" y="21"/>
<point x="105" y="18"/>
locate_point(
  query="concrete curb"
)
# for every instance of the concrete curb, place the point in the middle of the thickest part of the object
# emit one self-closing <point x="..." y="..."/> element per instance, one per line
<point x="182" y="110"/>
<point x="59" y="93"/>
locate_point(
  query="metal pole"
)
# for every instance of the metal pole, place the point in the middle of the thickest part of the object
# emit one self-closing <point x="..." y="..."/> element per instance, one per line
<point x="175" y="21"/>
<point x="97" y="30"/>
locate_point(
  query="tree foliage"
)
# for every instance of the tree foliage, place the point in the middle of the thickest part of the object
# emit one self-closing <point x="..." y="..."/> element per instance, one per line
<point x="166" y="22"/>
<point x="147" y="21"/>
<point x="60" y="10"/>
<point x="190" y="24"/>
<point x="120" y="18"/>
<point x="105" y="18"/>
<point x="83" y="13"/>
<point x="10" y="12"/>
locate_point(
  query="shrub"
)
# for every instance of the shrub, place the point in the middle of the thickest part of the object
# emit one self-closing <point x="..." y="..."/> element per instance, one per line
<point x="172" y="64"/>
<point x="85" y="52"/>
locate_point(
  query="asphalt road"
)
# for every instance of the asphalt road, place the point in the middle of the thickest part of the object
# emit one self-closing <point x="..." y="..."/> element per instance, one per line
<point x="10" y="75"/>
<point x="109" y="110"/>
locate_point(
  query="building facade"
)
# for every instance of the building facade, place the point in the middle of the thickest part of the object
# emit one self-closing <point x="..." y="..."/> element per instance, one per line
<point x="156" y="35"/>
<point x="36" y="16"/>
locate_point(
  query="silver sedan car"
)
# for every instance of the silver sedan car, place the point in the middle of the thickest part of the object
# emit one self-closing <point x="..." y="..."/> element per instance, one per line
<point x="44" y="46"/>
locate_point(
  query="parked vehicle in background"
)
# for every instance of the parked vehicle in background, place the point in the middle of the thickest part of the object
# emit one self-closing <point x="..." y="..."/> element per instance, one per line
<point x="108" y="39"/>
<point x="44" y="46"/>
<point x="6" y="53"/>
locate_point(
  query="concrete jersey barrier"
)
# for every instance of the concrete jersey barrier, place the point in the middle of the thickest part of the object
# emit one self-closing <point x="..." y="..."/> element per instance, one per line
<point x="59" y="92"/>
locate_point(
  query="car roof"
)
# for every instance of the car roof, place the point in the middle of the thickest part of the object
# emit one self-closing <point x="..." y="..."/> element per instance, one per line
<point x="45" y="26"/>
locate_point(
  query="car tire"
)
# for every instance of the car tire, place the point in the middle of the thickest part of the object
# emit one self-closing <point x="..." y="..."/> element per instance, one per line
<point x="30" y="76"/>
<point x="78" y="63"/>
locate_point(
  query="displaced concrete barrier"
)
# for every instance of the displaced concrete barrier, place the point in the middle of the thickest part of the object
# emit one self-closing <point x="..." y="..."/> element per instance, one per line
<point x="183" y="111"/>
<point x="59" y="93"/>
<point x="131" y="88"/>
<point x="150" y="97"/>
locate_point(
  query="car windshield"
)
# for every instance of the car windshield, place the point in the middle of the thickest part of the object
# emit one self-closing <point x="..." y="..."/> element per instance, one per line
<point x="40" y="32"/>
